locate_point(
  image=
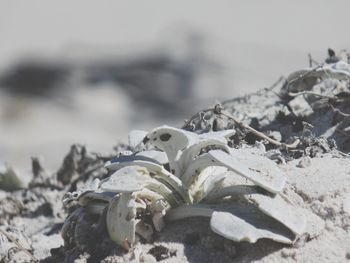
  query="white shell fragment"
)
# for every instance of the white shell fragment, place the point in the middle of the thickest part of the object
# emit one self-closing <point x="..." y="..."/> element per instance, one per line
<point x="121" y="222"/>
<point x="158" y="209"/>
<point x="135" y="178"/>
<point x="170" y="140"/>
<point x="279" y="209"/>
<point x="128" y="179"/>
<point x="182" y="146"/>
<point x="209" y="179"/>
<point x="258" y="171"/>
<point x="192" y="175"/>
<point x="157" y="172"/>
<point x="157" y="156"/>
<point x="237" y="222"/>
<point x="275" y="206"/>
<point x="238" y="230"/>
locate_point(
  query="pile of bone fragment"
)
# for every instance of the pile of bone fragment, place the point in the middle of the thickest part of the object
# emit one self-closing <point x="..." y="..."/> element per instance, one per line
<point x="218" y="168"/>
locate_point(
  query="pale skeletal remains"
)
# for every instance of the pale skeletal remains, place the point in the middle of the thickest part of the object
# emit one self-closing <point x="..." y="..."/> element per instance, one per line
<point x="190" y="175"/>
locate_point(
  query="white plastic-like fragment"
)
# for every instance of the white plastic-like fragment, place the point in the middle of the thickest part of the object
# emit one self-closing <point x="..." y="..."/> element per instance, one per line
<point x="121" y="222"/>
<point x="232" y="190"/>
<point x="95" y="196"/>
<point x="117" y="162"/>
<point x="158" y="211"/>
<point x="209" y="179"/>
<point x="158" y="156"/>
<point x="238" y="230"/>
<point x="279" y="209"/>
<point x="135" y="178"/>
<point x="157" y="172"/>
<point x="170" y="140"/>
<point x="127" y="179"/>
<point x="237" y="222"/>
<point x="182" y="146"/>
<point x="258" y="171"/>
<point x="274" y="206"/>
<point x="195" y="168"/>
<point x="188" y="155"/>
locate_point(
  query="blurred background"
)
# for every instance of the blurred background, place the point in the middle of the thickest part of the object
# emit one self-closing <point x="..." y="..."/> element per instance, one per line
<point x="89" y="71"/>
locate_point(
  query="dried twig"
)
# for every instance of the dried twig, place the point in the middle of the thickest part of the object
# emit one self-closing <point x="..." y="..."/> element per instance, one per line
<point x="347" y="115"/>
<point x="12" y="239"/>
<point x="306" y="92"/>
<point x="260" y="134"/>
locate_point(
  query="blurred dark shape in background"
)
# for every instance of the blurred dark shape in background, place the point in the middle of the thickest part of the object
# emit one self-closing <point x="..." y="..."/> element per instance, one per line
<point x="157" y="80"/>
<point x="33" y="77"/>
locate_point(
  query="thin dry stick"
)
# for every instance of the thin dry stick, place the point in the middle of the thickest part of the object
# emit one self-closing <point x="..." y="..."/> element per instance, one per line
<point x="309" y="93"/>
<point x="12" y="239"/>
<point x="347" y="115"/>
<point x="260" y="134"/>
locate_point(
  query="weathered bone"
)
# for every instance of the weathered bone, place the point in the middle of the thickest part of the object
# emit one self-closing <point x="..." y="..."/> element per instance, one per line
<point x="121" y="222"/>
<point x="135" y="178"/>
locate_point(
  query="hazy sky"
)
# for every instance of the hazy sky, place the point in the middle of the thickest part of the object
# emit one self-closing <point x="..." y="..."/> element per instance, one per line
<point x="48" y="26"/>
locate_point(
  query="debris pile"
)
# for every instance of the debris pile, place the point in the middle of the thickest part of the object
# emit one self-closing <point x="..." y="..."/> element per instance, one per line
<point x="311" y="105"/>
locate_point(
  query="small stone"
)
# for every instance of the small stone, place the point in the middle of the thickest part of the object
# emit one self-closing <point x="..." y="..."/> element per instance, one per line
<point x="288" y="253"/>
<point x="300" y="106"/>
<point x="304" y="162"/>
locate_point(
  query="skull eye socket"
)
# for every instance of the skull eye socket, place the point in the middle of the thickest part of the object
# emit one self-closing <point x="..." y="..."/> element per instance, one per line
<point x="165" y="137"/>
